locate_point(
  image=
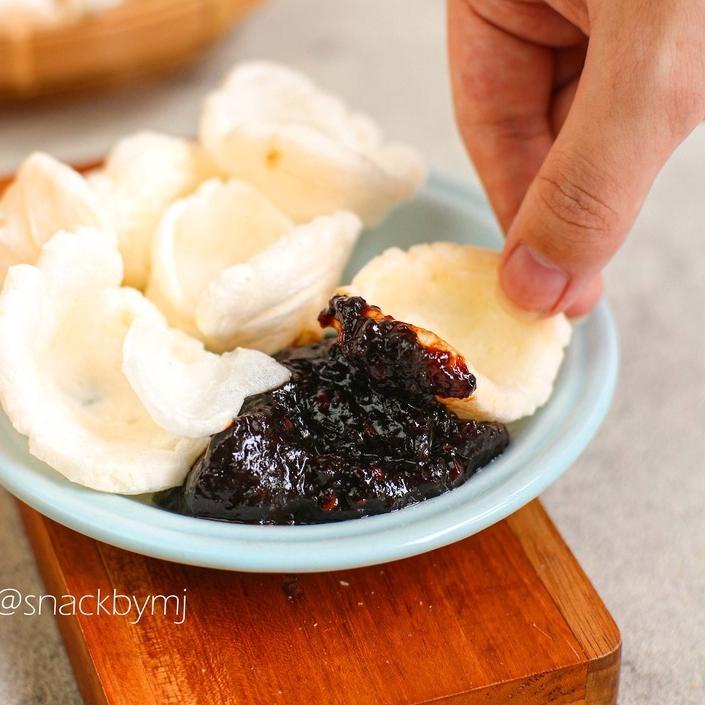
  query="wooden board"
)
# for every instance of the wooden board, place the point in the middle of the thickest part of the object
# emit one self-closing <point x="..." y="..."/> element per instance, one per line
<point x="506" y="616"/>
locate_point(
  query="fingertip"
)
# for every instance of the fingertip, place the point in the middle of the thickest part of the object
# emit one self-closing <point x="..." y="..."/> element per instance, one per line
<point x="530" y="281"/>
<point x="586" y="300"/>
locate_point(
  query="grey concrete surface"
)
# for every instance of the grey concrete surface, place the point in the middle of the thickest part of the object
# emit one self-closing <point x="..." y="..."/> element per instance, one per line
<point x="633" y="507"/>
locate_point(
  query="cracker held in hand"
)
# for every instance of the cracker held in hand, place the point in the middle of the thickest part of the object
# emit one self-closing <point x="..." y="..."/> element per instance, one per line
<point x="453" y="291"/>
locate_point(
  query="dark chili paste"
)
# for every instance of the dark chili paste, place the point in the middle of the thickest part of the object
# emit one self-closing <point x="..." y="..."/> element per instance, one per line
<point x="356" y="431"/>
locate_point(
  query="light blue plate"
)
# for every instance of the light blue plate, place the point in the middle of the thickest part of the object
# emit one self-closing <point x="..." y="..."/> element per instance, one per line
<point x="542" y="448"/>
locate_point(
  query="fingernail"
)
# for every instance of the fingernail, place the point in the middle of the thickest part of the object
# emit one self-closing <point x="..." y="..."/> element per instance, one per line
<point x="530" y="281"/>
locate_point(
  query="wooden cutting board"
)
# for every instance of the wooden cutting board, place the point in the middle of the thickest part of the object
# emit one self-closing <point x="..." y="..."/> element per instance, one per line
<point x="506" y="616"/>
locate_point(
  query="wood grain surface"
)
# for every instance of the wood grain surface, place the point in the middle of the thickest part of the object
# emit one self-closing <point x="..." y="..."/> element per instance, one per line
<point x="506" y="616"/>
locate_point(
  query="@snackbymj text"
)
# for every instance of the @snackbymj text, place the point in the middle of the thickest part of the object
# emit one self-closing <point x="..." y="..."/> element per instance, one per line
<point x="109" y="603"/>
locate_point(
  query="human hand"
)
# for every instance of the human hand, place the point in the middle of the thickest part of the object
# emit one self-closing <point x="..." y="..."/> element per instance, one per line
<point x="568" y="109"/>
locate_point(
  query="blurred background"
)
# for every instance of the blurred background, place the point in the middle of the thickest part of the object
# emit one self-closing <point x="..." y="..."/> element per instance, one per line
<point x="387" y="60"/>
<point x="633" y="507"/>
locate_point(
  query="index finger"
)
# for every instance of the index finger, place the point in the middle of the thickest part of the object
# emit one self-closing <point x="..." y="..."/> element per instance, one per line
<point x="502" y="87"/>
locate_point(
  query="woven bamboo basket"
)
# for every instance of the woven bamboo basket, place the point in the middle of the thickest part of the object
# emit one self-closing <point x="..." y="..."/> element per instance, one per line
<point x="133" y="40"/>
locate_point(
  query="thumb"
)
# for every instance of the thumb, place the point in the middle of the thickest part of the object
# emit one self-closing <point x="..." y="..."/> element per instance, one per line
<point x="628" y="115"/>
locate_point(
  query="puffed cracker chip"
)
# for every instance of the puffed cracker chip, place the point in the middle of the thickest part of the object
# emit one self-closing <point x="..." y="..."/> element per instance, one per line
<point x="303" y="148"/>
<point x="62" y="327"/>
<point x="143" y="174"/>
<point x="453" y="291"/>
<point x="201" y="235"/>
<point x="274" y="298"/>
<point x="187" y="390"/>
<point x="45" y="196"/>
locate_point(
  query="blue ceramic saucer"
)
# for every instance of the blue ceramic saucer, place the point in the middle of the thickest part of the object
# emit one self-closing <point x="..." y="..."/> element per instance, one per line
<point x="542" y="448"/>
